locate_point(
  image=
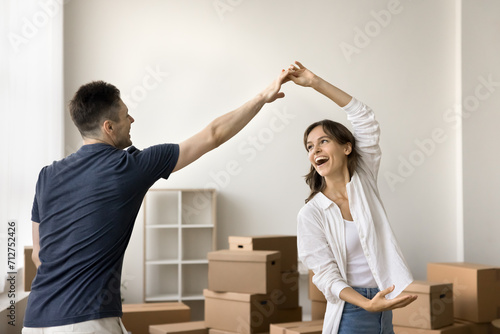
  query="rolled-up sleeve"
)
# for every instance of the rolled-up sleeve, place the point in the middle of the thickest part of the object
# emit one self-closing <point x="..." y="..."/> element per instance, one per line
<point x="366" y="131"/>
<point x="316" y="254"/>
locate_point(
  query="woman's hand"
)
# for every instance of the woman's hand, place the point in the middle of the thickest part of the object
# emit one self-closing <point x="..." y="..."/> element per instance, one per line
<point x="380" y="304"/>
<point x="301" y="75"/>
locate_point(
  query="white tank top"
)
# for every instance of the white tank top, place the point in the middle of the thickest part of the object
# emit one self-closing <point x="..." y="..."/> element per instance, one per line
<point x="359" y="274"/>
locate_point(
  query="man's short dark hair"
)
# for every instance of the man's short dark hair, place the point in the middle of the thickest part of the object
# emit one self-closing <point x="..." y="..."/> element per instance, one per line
<point x="92" y="104"/>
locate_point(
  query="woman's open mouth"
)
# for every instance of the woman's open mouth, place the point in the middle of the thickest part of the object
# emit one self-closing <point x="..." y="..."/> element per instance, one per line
<point x="320" y="161"/>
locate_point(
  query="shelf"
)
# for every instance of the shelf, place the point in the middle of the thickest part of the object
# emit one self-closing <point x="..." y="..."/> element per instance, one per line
<point x="196" y="243"/>
<point x="163" y="298"/>
<point x="179" y="231"/>
<point x="162" y="207"/>
<point x="194" y="280"/>
<point x="161" y="280"/>
<point x="161" y="262"/>
<point x="161" y="244"/>
<point x="197" y="207"/>
<point x="161" y="226"/>
<point x="201" y="261"/>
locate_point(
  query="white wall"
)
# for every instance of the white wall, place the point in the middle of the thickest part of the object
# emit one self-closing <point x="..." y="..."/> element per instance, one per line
<point x="216" y="60"/>
<point x="481" y="116"/>
<point x="31" y="111"/>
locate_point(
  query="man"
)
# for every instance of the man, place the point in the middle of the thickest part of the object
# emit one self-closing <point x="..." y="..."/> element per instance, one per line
<point x="86" y="204"/>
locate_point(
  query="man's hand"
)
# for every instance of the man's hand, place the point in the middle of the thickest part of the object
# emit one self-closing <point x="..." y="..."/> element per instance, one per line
<point x="380" y="304"/>
<point x="272" y="92"/>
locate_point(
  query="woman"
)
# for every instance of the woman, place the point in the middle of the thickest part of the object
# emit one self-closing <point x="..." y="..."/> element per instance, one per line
<point x="343" y="232"/>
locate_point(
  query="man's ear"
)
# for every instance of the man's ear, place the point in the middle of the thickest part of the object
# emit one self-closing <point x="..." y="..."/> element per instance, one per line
<point x="348" y="149"/>
<point x="107" y="126"/>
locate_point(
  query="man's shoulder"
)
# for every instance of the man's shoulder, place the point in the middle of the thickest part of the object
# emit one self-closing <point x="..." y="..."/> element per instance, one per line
<point x="158" y="147"/>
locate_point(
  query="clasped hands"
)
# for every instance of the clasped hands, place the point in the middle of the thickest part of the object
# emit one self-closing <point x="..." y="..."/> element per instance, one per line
<point x="297" y="73"/>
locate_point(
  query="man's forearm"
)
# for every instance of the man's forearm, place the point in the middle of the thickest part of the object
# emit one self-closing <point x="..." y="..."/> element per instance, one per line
<point x="227" y="125"/>
<point x="36" y="243"/>
<point x="35" y="259"/>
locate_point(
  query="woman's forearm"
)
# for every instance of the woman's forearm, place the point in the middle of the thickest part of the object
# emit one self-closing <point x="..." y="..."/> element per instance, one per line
<point x="335" y="94"/>
<point x="353" y="297"/>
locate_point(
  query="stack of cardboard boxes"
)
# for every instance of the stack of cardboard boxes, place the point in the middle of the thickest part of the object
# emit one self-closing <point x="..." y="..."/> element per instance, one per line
<point x="470" y="307"/>
<point x="252" y="284"/>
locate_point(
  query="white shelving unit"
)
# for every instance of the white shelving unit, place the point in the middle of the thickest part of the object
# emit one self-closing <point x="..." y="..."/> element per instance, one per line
<point x="179" y="231"/>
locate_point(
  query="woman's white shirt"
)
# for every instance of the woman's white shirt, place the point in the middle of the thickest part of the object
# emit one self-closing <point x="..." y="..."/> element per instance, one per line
<point x="321" y="228"/>
<point x="358" y="271"/>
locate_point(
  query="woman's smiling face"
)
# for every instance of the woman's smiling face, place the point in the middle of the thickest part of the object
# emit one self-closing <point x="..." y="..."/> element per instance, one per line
<point x="325" y="154"/>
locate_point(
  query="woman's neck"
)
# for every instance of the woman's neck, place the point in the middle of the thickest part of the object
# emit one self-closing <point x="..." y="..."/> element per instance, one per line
<point x="336" y="185"/>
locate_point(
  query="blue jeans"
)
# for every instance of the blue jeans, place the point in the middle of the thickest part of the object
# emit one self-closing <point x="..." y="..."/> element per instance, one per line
<point x="356" y="320"/>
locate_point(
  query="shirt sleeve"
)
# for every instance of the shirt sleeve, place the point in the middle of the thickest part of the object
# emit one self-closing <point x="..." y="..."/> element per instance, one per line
<point x="157" y="161"/>
<point x="316" y="254"/>
<point x="366" y="131"/>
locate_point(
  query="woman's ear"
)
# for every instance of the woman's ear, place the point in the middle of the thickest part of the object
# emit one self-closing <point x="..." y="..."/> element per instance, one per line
<point x="348" y="148"/>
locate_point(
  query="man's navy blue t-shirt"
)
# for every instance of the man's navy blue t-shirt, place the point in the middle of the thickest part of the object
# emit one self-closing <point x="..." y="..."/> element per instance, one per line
<point x="86" y="205"/>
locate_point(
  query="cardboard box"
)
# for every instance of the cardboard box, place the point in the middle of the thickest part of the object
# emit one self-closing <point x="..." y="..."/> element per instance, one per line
<point x="242" y="312"/>
<point x="310" y="327"/>
<point x="138" y="317"/>
<point x="318" y="310"/>
<point x="219" y="331"/>
<point x="288" y="315"/>
<point x="495" y="327"/>
<point x="286" y="244"/>
<point x="476" y="289"/>
<point x="314" y="293"/>
<point x="192" y="327"/>
<point x="290" y="290"/>
<point x="29" y="268"/>
<point x="256" y="272"/>
<point x="484" y="328"/>
<point x="433" y="308"/>
<point x="318" y="329"/>
<point x="456" y="328"/>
